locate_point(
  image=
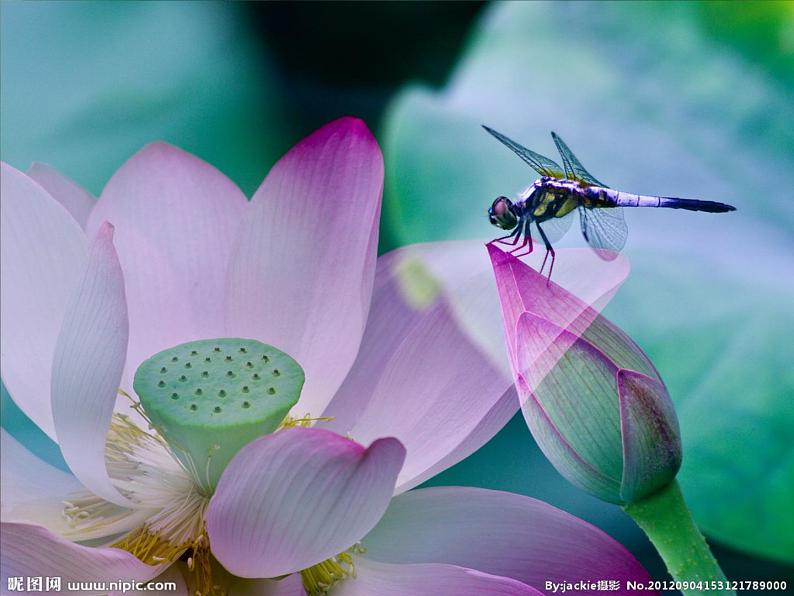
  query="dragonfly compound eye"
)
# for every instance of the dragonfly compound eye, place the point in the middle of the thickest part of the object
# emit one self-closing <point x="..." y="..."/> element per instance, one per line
<point x="502" y="214"/>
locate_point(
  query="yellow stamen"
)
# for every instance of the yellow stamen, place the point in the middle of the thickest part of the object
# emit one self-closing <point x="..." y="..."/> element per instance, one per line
<point x="319" y="579"/>
<point x="151" y="547"/>
<point x="142" y="467"/>
<point x="305" y="422"/>
<point x="199" y="566"/>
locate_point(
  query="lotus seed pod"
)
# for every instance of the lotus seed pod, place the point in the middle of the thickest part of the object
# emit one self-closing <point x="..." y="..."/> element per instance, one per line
<point x="209" y="398"/>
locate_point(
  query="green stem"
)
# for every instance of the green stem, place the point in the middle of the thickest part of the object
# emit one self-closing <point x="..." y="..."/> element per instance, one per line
<point x="665" y="518"/>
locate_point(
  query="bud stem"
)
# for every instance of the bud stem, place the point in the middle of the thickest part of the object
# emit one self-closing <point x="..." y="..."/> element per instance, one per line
<point x="665" y="518"/>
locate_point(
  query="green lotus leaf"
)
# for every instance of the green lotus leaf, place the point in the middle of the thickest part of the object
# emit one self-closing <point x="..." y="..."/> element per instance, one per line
<point x="87" y="84"/>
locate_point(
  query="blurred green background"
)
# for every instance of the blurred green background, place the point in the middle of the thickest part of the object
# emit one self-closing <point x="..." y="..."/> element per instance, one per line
<point x="688" y="99"/>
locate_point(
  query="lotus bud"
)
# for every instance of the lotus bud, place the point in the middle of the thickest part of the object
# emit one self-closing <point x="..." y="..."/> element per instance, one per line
<point x="595" y="404"/>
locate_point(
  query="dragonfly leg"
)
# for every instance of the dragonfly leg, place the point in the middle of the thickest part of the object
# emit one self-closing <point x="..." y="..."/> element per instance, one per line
<point x="512" y="238"/>
<point x="549" y="251"/>
<point x="527" y="242"/>
<point x="522" y="230"/>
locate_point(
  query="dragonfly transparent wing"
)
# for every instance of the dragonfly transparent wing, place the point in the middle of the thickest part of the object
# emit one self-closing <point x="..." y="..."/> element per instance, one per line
<point x="604" y="229"/>
<point x="554" y="228"/>
<point x="574" y="170"/>
<point x="542" y="165"/>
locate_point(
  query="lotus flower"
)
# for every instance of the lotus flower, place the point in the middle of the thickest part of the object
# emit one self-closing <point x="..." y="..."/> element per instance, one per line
<point x="171" y="257"/>
<point x="595" y="404"/>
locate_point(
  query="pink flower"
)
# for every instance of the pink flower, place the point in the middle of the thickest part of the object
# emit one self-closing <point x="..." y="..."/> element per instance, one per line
<point x="172" y="252"/>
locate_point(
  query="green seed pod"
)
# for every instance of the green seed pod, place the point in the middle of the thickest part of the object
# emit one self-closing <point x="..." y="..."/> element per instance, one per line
<point x="209" y="398"/>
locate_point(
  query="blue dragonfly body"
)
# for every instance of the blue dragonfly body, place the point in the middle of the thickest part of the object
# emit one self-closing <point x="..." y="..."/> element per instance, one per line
<point x="550" y="201"/>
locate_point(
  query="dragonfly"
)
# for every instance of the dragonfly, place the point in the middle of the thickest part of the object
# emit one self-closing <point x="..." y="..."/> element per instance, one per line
<point x="550" y="201"/>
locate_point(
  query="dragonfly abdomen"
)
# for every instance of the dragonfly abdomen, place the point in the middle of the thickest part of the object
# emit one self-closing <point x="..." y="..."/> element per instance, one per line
<point x="625" y="199"/>
<point x="696" y="205"/>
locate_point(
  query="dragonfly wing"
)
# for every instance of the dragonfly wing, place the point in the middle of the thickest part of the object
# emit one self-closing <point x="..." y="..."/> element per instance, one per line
<point x="604" y="229"/>
<point x="542" y="165"/>
<point x="574" y="170"/>
<point x="555" y="228"/>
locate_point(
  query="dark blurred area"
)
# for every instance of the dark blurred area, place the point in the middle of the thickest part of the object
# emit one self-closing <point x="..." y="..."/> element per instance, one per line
<point x="350" y="57"/>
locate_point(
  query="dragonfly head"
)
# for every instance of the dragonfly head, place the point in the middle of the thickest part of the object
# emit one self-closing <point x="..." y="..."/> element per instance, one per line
<point x="502" y="214"/>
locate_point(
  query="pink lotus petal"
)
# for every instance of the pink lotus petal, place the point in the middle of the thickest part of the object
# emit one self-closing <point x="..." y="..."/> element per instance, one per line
<point x="386" y="579"/>
<point x="87" y="366"/>
<point x="610" y="431"/>
<point x="465" y="275"/>
<point x="651" y="437"/>
<point x="297" y="497"/>
<point x="619" y="347"/>
<point x="499" y="533"/>
<point x="68" y="193"/>
<point x="301" y="273"/>
<point x="32" y="491"/>
<point x="43" y="253"/>
<point x="175" y="219"/>
<point x="418" y="376"/>
<point x="434" y="392"/>
<point x="486" y="428"/>
<point x="590" y="284"/>
<point x="558" y="369"/>
<point x="32" y="551"/>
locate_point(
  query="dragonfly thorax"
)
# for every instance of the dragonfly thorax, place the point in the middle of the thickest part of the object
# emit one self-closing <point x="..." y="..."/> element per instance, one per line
<point x="560" y="185"/>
